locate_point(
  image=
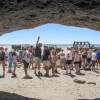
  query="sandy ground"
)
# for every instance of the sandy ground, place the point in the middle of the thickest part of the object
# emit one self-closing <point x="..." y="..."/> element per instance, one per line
<point x="52" y="88"/>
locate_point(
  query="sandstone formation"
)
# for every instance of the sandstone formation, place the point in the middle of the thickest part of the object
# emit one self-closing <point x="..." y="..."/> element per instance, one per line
<point x="25" y="14"/>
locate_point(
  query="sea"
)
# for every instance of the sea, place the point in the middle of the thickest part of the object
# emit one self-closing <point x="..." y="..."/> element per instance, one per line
<point x="63" y="46"/>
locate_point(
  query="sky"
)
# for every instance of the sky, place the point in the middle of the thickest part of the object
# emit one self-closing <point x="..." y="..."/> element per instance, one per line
<point x="51" y="34"/>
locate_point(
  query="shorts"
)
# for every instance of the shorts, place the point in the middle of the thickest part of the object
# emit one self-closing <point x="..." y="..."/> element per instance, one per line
<point x="98" y="60"/>
<point x="46" y="63"/>
<point x="37" y="61"/>
<point x="88" y="60"/>
<point x="2" y="59"/>
<point x="26" y="64"/>
<point x="10" y="65"/>
<point x="77" y="62"/>
<point x="93" y="63"/>
<point x="84" y="56"/>
<point x="63" y="60"/>
<point x="53" y="62"/>
<point x="68" y="61"/>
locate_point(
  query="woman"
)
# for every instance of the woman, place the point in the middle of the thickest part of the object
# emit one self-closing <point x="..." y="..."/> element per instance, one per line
<point x="14" y="57"/>
<point x="26" y="61"/>
<point x="46" y="60"/>
<point x="76" y="62"/>
<point x="68" y="61"/>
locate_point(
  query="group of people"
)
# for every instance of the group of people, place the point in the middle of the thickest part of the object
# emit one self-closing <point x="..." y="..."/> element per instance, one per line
<point x="74" y="58"/>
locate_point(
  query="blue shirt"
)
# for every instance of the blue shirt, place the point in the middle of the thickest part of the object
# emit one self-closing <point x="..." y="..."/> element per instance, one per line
<point x="98" y="54"/>
<point x="21" y="53"/>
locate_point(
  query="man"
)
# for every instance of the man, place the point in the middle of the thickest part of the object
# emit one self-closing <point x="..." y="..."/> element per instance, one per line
<point x="98" y="58"/>
<point x="46" y="60"/>
<point x="53" y="61"/>
<point x="84" y="57"/>
<point x="26" y="61"/>
<point x="62" y="58"/>
<point x="68" y="61"/>
<point x="93" y="60"/>
<point x="20" y="55"/>
<point x="38" y="52"/>
<point x="2" y="60"/>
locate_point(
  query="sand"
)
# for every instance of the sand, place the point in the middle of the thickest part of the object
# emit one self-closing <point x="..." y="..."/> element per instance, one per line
<point x="52" y="88"/>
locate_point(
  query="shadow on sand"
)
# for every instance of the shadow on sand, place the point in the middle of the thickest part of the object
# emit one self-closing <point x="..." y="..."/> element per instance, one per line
<point x="90" y="99"/>
<point x="13" y="96"/>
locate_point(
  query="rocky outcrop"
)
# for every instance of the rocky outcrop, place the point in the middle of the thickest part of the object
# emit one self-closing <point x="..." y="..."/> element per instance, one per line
<point x="24" y="14"/>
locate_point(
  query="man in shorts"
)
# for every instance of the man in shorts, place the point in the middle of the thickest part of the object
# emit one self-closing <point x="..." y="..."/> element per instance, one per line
<point x="62" y="58"/>
<point x="38" y="52"/>
<point x="2" y="60"/>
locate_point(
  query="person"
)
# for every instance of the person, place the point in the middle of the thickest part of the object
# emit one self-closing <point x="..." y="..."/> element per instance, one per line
<point x="26" y="60"/>
<point x="6" y="56"/>
<point x="76" y="62"/>
<point x="32" y="59"/>
<point x="38" y="52"/>
<point x="46" y="60"/>
<point x="98" y="58"/>
<point x="62" y="58"/>
<point x="89" y="54"/>
<point x="93" y="60"/>
<point x="68" y="61"/>
<point x="14" y="59"/>
<point x="20" y="55"/>
<point x="84" y="57"/>
<point x="53" y="61"/>
<point x="2" y="60"/>
<point x="80" y="59"/>
<point x="10" y="62"/>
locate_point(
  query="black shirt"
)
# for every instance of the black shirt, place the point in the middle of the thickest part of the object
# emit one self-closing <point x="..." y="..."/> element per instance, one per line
<point x="2" y="56"/>
<point x="38" y="52"/>
<point x="46" y="55"/>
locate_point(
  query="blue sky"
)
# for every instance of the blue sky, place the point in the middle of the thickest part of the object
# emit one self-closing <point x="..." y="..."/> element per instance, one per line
<point x="51" y="34"/>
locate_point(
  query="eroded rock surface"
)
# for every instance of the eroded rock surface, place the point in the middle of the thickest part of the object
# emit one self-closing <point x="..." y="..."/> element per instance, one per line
<point x="24" y="14"/>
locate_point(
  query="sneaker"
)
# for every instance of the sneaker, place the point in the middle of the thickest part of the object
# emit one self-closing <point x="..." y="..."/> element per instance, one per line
<point x="9" y="71"/>
<point x="57" y="72"/>
<point x="35" y="72"/>
<point x="14" y="74"/>
<point x="39" y="73"/>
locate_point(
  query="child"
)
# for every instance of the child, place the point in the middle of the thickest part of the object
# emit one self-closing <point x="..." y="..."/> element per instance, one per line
<point x="14" y="57"/>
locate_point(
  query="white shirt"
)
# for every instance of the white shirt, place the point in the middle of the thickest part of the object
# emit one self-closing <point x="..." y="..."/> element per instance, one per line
<point x="94" y="56"/>
<point x="61" y="54"/>
<point x="27" y="57"/>
<point x="69" y="55"/>
<point x="6" y="53"/>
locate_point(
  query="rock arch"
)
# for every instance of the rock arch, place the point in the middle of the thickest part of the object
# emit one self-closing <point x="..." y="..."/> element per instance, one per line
<point x="24" y="14"/>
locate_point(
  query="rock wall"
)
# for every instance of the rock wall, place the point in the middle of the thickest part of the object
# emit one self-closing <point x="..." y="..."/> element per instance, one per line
<point x="25" y="14"/>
